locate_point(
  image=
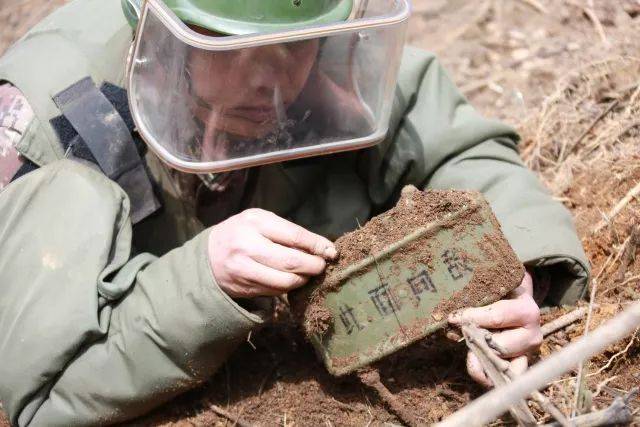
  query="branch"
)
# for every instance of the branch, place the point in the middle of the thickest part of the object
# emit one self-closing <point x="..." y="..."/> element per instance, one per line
<point x="536" y="5"/>
<point x="491" y="405"/>
<point x="478" y="336"/>
<point x="235" y="420"/>
<point x="618" y="413"/>
<point x="371" y="378"/>
<point x="593" y="17"/>
<point x="633" y="193"/>
<point x="563" y="321"/>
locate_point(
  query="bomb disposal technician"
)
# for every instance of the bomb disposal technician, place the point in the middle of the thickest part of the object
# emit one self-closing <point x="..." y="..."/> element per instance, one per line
<point x="164" y="164"/>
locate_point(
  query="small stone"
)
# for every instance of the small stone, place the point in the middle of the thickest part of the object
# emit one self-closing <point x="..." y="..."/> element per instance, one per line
<point x="409" y="189"/>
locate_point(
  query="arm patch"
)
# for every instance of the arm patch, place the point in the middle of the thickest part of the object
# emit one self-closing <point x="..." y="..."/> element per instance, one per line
<point x="15" y="116"/>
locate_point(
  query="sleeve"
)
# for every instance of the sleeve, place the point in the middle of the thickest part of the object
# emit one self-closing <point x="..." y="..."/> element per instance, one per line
<point x="89" y="334"/>
<point x="437" y="140"/>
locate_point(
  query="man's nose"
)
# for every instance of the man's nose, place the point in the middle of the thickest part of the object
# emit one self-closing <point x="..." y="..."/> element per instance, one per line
<point x="270" y="66"/>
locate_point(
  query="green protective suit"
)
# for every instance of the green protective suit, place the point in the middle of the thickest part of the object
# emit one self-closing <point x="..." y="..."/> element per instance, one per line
<point x="101" y="321"/>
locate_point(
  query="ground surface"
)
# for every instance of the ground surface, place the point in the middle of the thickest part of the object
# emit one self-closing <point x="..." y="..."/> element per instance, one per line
<point x="549" y="67"/>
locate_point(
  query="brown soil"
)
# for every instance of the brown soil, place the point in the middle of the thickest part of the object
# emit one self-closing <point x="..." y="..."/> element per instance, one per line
<point x="414" y="210"/>
<point x="551" y="75"/>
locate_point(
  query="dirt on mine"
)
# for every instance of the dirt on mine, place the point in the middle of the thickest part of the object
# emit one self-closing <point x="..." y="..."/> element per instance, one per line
<point x="565" y="73"/>
<point x="456" y="210"/>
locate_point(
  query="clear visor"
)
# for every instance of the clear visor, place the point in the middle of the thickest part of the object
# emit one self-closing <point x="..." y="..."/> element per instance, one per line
<point x="207" y="103"/>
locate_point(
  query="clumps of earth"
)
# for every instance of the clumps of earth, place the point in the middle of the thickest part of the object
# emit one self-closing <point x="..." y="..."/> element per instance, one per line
<point x="415" y="210"/>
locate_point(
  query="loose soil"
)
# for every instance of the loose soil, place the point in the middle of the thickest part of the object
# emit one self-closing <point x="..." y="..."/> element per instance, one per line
<point x="551" y="73"/>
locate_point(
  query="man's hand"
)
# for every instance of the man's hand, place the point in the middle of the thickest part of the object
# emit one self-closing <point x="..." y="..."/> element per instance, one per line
<point x="257" y="253"/>
<point x="517" y="324"/>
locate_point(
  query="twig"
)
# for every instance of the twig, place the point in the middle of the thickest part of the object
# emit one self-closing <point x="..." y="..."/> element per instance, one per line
<point x="626" y="282"/>
<point x="219" y="411"/>
<point x="266" y="378"/>
<point x="478" y="336"/>
<point x="536" y="5"/>
<point x="618" y="413"/>
<point x="603" y="385"/>
<point x="249" y="341"/>
<point x="633" y="99"/>
<point x="563" y="321"/>
<point x="615" y="356"/>
<point x="371" y="378"/>
<point x="628" y="254"/>
<point x="632" y="194"/>
<point x="604" y="267"/>
<point x="627" y="130"/>
<point x="613" y="104"/>
<point x="483" y="10"/>
<point x="579" y="390"/>
<point x="492" y="404"/>
<point x="481" y="84"/>
<point x="591" y="14"/>
<point x="596" y="23"/>
<point x="519" y="410"/>
<point x="619" y="254"/>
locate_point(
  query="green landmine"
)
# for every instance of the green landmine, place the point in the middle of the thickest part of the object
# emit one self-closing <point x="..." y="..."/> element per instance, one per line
<point x="400" y="276"/>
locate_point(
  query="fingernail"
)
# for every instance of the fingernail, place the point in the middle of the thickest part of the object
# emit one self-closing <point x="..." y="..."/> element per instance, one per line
<point x="454" y="336"/>
<point x="330" y="252"/>
<point x="455" y="317"/>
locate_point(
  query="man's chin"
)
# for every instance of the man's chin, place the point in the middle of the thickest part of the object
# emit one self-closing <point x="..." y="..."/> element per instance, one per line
<point x="228" y="140"/>
<point x="248" y="130"/>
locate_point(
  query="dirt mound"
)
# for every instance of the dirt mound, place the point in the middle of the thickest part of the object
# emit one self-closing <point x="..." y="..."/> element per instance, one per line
<point x="282" y="382"/>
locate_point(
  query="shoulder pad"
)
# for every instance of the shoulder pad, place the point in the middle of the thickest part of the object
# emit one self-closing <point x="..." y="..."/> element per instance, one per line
<point x="15" y="116"/>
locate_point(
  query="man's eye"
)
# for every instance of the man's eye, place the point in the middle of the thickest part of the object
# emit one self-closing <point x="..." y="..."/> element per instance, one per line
<point x="299" y="45"/>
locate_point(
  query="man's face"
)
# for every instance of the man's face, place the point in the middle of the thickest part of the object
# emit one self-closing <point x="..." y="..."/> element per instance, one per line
<point x="240" y="92"/>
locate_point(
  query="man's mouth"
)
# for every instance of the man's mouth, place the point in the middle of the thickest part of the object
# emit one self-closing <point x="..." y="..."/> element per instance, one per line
<point x="257" y="115"/>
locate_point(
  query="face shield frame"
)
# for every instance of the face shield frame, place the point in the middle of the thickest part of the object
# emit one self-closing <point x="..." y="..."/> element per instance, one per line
<point x="178" y="29"/>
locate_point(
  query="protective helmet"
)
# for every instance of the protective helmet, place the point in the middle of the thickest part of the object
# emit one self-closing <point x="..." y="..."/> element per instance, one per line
<point x="251" y="16"/>
<point x="216" y="85"/>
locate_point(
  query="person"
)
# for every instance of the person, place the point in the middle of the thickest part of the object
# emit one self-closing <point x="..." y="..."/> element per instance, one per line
<point x="130" y="275"/>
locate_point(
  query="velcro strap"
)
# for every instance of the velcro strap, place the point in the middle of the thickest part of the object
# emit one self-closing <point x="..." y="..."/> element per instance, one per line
<point x="106" y="135"/>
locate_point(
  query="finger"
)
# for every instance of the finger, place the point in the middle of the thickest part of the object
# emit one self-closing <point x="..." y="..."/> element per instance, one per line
<point x="254" y="272"/>
<point x="475" y="370"/>
<point x="501" y="314"/>
<point x="287" y="259"/>
<point x="516" y="342"/>
<point x="248" y="289"/>
<point x="519" y="365"/>
<point x="279" y="230"/>
<point x="454" y="336"/>
<point x="525" y="288"/>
